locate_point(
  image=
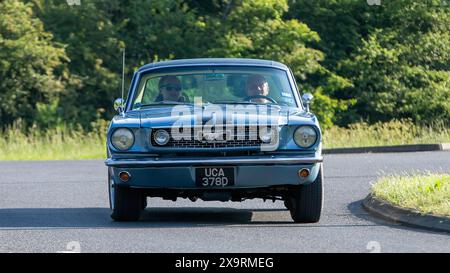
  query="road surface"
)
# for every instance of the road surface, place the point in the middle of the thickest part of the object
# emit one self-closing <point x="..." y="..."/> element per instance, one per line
<point x="54" y="206"/>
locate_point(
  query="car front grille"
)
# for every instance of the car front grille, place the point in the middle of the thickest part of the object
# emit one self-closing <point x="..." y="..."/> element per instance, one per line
<point x="245" y="137"/>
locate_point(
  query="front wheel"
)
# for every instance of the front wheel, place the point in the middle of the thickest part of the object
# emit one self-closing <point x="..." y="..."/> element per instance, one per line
<point x="306" y="202"/>
<point x="288" y="203"/>
<point x="125" y="204"/>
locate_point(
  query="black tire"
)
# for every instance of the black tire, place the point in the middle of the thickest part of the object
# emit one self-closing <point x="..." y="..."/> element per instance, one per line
<point x="126" y="204"/>
<point x="288" y="204"/>
<point x="307" y="201"/>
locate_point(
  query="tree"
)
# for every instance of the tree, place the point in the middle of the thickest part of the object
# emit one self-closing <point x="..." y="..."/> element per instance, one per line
<point x="360" y="61"/>
<point x="257" y="29"/>
<point x="94" y="32"/>
<point x="402" y="69"/>
<point x="31" y="63"/>
<point x="396" y="56"/>
<point x="161" y="30"/>
<point x="94" y="50"/>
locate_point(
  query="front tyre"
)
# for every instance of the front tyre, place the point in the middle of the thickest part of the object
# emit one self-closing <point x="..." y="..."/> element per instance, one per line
<point x="306" y="201"/>
<point x="288" y="203"/>
<point x="125" y="204"/>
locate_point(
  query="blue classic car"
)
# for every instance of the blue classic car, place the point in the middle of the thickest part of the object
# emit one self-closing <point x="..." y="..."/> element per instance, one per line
<point x="215" y="130"/>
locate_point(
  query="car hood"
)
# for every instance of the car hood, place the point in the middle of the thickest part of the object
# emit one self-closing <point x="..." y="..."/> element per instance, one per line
<point x="161" y="116"/>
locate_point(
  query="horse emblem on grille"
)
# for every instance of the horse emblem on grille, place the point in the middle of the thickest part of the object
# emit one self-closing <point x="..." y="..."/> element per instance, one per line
<point x="216" y="136"/>
<point x="212" y="136"/>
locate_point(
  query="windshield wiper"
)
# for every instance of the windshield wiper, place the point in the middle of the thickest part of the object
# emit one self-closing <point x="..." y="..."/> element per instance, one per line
<point x="241" y="102"/>
<point x="233" y="102"/>
<point x="168" y="103"/>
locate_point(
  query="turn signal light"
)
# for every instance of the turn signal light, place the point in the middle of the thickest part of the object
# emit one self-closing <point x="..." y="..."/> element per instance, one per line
<point x="124" y="176"/>
<point x="303" y="173"/>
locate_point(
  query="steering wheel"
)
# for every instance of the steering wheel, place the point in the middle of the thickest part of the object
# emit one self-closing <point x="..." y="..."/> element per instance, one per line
<point x="249" y="98"/>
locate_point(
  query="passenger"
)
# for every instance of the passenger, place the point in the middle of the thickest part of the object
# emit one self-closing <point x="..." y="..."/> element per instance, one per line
<point x="257" y="89"/>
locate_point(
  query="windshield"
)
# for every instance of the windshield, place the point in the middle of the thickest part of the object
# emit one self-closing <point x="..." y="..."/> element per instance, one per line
<point x="217" y="85"/>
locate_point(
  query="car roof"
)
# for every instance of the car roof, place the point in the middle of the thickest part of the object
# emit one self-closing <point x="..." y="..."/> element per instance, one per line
<point x="214" y="62"/>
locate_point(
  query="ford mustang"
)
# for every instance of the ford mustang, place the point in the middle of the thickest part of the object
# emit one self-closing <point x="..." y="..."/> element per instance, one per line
<point x="215" y="130"/>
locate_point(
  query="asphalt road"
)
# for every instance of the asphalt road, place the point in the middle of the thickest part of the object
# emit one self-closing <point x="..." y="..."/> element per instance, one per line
<point x="44" y="206"/>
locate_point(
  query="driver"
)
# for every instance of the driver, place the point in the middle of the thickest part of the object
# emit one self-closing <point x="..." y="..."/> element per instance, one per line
<point x="170" y="89"/>
<point x="257" y="89"/>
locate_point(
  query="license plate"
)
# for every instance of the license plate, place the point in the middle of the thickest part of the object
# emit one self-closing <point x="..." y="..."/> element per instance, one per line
<point x="214" y="176"/>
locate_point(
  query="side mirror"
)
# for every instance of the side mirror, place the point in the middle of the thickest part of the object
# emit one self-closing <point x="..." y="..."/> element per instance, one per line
<point x="119" y="105"/>
<point x="307" y="99"/>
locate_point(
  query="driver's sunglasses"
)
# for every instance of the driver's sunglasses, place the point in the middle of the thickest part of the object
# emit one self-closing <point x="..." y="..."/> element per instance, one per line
<point x="258" y="87"/>
<point x="172" y="87"/>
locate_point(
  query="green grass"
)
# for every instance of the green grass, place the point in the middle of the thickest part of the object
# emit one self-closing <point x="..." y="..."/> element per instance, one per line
<point x="426" y="193"/>
<point x="55" y="144"/>
<point x="64" y="143"/>
<point x="389" y="133"/>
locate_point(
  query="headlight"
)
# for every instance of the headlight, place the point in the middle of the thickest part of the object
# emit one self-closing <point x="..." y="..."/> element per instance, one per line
<point x="161" y="137"/>
<point x="122" y="139"/>
<point x="305" y="136"/>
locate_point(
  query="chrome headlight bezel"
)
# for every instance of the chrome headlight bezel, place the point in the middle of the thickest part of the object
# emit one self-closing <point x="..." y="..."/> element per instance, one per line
<point x="305" y="132"/>
<point x="161" y="132"/>
<point x="117" y="140"/>
<point x="267" y="134"/>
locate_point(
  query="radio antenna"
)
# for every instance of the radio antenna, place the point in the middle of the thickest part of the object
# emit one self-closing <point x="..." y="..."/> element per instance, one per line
<point x="123" y="72"/>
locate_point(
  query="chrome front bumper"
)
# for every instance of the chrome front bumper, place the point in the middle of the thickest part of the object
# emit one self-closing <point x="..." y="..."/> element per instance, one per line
<point x="248" y="160"/>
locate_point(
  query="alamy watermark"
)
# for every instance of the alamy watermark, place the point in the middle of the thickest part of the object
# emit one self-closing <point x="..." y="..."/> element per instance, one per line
<point x="374" y="247"/>
<point x="73" y="2"/>
<point x="428" y="3"/>
<point x="374" y="2"/>
<point x="72" y="247"/>
<point x="230" y="125"/>
<point x="437" y="3"/>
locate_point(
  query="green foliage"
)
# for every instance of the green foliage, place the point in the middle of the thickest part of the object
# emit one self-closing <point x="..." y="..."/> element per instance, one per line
<point x="403" y="74"/>
<point x="257" y="29"/>
<point x="47" y="115"/>
<point x="94" y="50"/>
<point x="341" y="24"/>
<point x="160" y="30"/>
<point x="396" y="56"/>
<point x="31" y="69"/>
<point x="62" y="64"/>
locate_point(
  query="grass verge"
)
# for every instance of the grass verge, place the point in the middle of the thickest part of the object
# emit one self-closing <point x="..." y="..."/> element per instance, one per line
<point x="426" y="193"/>
<point x="74" y="143"/>
<point x="396" y="132"/>
<point x="55" y="144"/>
